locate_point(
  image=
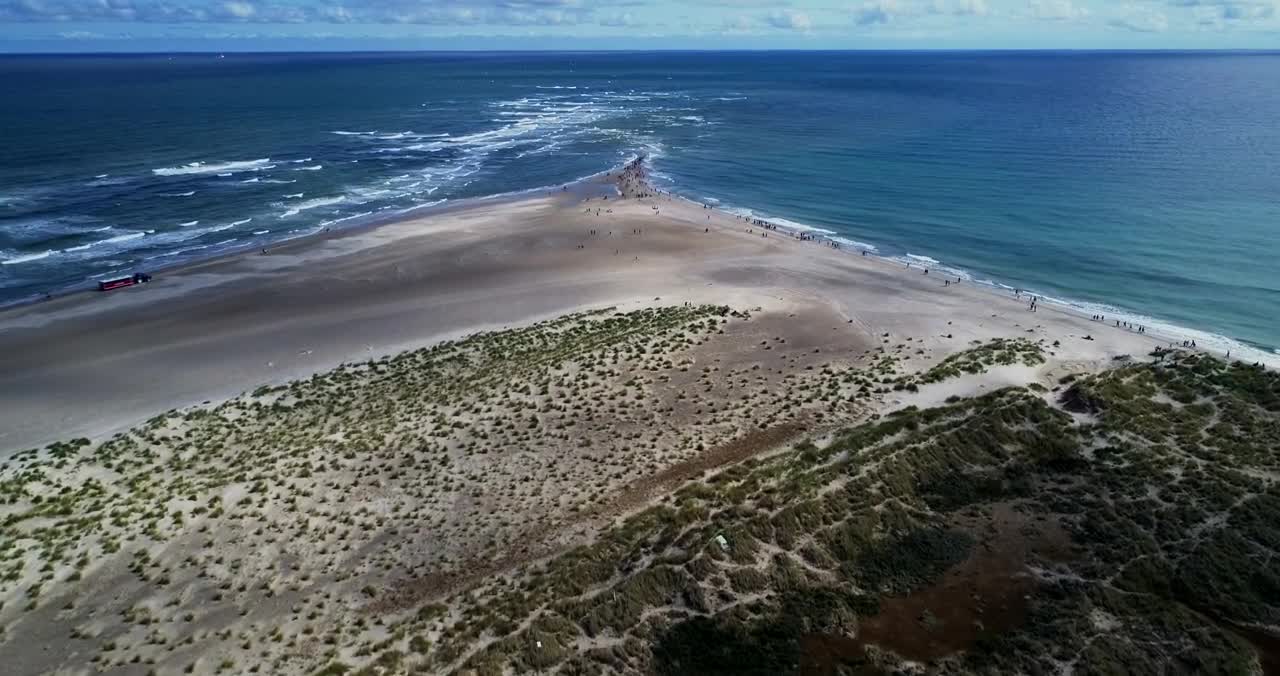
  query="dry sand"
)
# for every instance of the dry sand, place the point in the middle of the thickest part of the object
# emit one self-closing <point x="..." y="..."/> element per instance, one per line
<point x="92" y="364"/>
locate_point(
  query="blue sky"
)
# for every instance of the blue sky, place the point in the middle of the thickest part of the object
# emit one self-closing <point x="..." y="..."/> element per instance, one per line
<point x="219" y="25"/>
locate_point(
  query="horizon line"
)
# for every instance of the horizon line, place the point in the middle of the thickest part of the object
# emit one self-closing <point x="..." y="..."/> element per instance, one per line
<point x="463" y="50"/>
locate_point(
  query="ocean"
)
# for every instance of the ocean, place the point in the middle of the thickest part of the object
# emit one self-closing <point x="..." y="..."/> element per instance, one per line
<point x="1142" y="185"/>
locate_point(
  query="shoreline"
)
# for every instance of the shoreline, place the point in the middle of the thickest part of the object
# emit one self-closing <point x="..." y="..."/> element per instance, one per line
<point x="1172" y="334"/>
<point x="93" y="364"/>
<point x="370" y="221"/>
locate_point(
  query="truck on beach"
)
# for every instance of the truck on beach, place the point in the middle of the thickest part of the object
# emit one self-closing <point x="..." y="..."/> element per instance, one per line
<point x="121" y="282"/>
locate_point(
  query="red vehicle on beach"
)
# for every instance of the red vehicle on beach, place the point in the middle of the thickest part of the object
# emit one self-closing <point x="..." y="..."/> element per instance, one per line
<point x="121" y="282"/>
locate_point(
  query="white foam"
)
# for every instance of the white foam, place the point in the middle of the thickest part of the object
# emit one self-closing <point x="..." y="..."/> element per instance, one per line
<point x="261" y="232"/>
<point x="251" y="180"/>
<point x="312" y="204"/>
<point x="242" y="222"/>
<point x="932" y="264"/>
<point x="780" y="222"/>
<point x="295" y="195"/>
<point x="314" y="167"/>
<point x="175" y="252"/>
<point x="345" y="218"/>
<point x="27" y="258"/>
<point x="187" y="224"/>
<point x="854" y="243"/>
<point x="110" y="240"/>
<point x="103" y="181"/>
<point x="421" y="205"/>
<point x="188" y="193"/>
<point x="123" y="238"/>
<point x="220" y="168"/>
<point x="353" y="133"/>
<point x="1173" y="333"/>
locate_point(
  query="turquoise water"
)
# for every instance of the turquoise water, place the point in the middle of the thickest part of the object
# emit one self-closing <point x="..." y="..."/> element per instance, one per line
<point x="1145" y="184"/>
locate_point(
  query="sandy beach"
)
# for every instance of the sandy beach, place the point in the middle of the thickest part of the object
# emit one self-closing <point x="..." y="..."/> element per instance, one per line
<point x="93" y="364"/>
<point x="342" y="450"/>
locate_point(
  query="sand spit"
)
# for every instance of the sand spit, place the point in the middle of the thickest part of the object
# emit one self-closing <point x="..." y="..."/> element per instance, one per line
<point x="93" y="364"/>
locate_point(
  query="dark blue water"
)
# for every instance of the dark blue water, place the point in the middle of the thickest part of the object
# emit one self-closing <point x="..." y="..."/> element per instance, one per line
<point x="1146" y="183"/>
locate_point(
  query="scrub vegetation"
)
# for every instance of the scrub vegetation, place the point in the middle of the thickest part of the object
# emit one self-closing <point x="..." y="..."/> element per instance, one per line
<point x="683" y="490"/>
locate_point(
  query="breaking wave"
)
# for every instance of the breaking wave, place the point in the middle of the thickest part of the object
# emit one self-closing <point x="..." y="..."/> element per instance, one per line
<point x="220" y="168"/>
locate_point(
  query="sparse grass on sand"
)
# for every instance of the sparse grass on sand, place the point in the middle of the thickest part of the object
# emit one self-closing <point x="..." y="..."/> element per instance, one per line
<point x="603" y="493"/>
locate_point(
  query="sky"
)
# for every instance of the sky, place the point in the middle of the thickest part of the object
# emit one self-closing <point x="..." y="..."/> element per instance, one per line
<point x="339" y="25"/>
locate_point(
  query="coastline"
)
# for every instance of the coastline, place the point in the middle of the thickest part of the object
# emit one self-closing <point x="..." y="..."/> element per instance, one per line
<point x="374" y="220"/>
<point x="213" y="329"/>
<point x="351" y="421"/>
<point x="1172" y="334"/>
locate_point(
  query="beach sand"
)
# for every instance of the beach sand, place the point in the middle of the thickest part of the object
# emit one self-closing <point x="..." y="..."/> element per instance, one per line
<point x="92" y="364"/>
<point x="649" y="344"/>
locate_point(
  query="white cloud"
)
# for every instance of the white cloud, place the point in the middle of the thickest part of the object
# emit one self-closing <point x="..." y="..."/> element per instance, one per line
<point x="877" y="11"/>
<point x="620" y="20"/>
<point x="1057" y="10"/>
<point x="1142" y="20"/>
<point x="960" y="7"/>
<point x="1232" y="10"/>
<point x="240" y="10"/>
<point x="737" y="24"/>
<point x="429" y="12"/>
<point x="790" y="20"/>
<point x="874" y="12"/>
